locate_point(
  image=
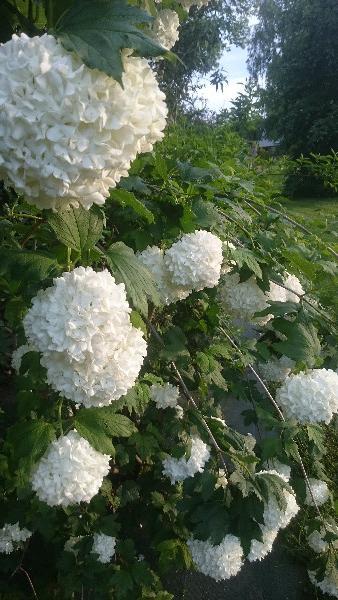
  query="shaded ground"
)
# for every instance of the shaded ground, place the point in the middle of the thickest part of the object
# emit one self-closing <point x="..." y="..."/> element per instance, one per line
<point x="277" y="577"/>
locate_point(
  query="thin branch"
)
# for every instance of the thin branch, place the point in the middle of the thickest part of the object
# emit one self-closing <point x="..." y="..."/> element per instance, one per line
<point x="30" y="582"/>
<point x="233" y="343"/>
<point x="281" y="416"/>
<point x="191" y="400"/>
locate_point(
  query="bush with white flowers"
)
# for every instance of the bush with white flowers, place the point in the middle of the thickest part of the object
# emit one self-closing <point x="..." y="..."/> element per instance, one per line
<point x="71" y="471"/>
<point x="310" y="397"/>
<point x="129" y="329"/>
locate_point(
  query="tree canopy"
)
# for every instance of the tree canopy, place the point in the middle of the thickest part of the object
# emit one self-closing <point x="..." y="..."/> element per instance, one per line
<point x="295" y="48"/>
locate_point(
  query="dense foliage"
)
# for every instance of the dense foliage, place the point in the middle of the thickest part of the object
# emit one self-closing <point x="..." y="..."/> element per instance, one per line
<point x="120" y="362"/>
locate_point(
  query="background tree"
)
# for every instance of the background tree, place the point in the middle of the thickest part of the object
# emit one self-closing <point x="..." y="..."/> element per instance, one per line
<point x="245" y="115"/>
<point x="204" y="35"/>
<point x="295" y="47"/>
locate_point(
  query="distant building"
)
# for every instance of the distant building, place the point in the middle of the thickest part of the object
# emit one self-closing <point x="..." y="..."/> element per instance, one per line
<point x="268" y="145"/>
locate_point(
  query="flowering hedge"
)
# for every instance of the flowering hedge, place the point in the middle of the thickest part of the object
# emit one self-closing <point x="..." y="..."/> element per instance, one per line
<point x="139" y="295"/>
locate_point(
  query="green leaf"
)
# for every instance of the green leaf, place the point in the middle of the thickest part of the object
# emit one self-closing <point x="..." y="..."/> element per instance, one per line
<point x="137" y="399"/>
<point x="30" y="439"/>
<point x="26" y="266"/>
<point x="125" y="198"/>
<point x="302" y="342"/>
<point x="243" y="256"/>
<point x="127" y="269"/>
<point x="212" y="522"/>
<point x="174" y="344"/>
<point x="174" y="554"/>
<point x="77" y="228"/>
<point x="98" y="31"/>
<point x="99" y="425"/>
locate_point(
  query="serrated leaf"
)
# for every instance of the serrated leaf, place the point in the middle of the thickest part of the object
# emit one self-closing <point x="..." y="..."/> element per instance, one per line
<point x="127" y="269"/>
<point x="302" y="342"/>
<point x="244" y="256"/>
<point x="26" y="266"/>
<point x="98" y="31"/>
<point x="126" y="198"/>
<point x="30" y="439"/>
<point x="77" y="228"/>
<point x="99" y="425"/>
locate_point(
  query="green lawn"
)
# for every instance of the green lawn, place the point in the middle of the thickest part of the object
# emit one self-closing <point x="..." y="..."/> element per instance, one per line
<point x="320" y="216"/>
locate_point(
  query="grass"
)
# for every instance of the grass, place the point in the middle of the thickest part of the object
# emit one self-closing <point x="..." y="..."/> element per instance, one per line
<point x="319" y="215"/>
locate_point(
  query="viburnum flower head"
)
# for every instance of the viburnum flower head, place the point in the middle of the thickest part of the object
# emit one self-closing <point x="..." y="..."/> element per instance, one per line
<point x="219" y="562"/>
<point x="153" y="258"/>
<point x="316" y="538"/>
<point x="259" y="549"/>
<point x="274" y="465"/>
<point x="280" y="294"/>
<point x="82" y="326"/>
<point x="310" y="397"/>
<point x="165" y="28"/>
<point x="328" y="585"/>
<point x="195" y="261"/>
<point x="274" y="516"/>
<point x="12" y="537"/>
<point x="18" y="355"/>
<point x="242" y="299"/>
<point x="276" y="369"/>
<point x="104" y="546"/>
<point x="165" y="396"/>
<point x="178" y="469"/>
<point x="320" y="492"/>
<point x="68" y="133"/>
<point x="71" y="471"/>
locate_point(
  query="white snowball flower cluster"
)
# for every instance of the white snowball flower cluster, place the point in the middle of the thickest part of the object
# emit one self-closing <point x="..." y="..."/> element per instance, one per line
<point x="153" y="258"/>
<point x="12" y="537"/>
<point x="178" y="469"/>
<point x="275" y="517"/>
<point x="165" y="28"/>
<point x="70" y="471"/>
<point x="328" y="585"/>
<point x="259" y="550"/>
<point x="68" y="132"/>
<point x="243" y="299"/>
<point x="316" y="539"/>
<point x="82" y="327"/>
<point x="319" y="490"/>
<point x="310" y="397"/>
<point x="18" y="354"/>
<point x="165" y="396"/>
<point x="276" y="369"/>
<point x="195" y="261"/>
<point x="219" y="562"/>
<point x="280" y="294"/>
<point x="280" y="468"/>
<point x="104" y="546"/>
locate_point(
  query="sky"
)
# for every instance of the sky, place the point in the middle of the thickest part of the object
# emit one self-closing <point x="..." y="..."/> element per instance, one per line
<point x="234" y="64"/>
